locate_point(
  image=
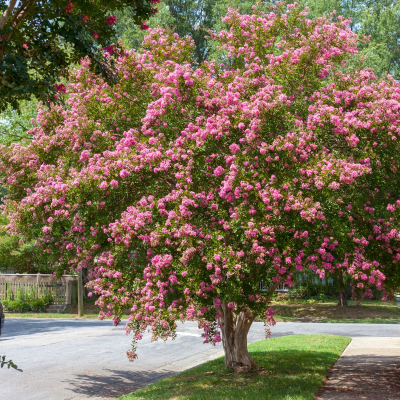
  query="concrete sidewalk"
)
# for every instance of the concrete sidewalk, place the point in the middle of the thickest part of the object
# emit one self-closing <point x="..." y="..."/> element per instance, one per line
<point x="369" y="369"/>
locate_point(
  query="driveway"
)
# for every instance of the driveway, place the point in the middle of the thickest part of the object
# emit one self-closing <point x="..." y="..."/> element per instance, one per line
<point x="85" y="359"/>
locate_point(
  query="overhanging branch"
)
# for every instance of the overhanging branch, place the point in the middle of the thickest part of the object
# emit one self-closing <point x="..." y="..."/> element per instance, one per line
<point x="7" y="13"/>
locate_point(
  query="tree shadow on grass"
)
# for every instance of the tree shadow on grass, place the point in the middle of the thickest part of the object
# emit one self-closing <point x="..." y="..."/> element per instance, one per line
<point x="291" y="374"/>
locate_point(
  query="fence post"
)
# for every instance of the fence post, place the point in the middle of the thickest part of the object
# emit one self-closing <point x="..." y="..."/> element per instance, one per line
<point x="80" y="294"/>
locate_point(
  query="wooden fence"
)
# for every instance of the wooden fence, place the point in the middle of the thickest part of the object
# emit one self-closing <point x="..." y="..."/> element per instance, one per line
<point x="11" y="290"/>
<point x="280" y="288"/>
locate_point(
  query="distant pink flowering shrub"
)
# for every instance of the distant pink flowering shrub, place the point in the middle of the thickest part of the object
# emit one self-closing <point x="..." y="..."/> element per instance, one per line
<point x="187" y="187"/>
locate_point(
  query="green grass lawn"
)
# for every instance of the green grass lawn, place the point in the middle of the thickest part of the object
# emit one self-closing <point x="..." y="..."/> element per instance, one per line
<point x="294" y="368"/>
<point x="370" y="311"/>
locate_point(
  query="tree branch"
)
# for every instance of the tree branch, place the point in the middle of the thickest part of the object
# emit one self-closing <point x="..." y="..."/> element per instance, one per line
<point x="7" y="13"/>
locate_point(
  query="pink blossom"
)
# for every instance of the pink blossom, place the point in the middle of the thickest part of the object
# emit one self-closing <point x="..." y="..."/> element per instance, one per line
<point x="234" y="148"/>
<point x="109" y="50"/>
<point x="84" y="155"/>
<point x="46" y="229"/>
<point x="111" y="20"/>
<point x="218" y="171"/>
<point x="123" y="173"/>
<point x="69" y="8"/>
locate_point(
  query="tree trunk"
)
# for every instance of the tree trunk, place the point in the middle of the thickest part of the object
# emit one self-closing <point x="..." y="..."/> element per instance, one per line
<point x="342" y="298"/>
<point x="234" y="328"/>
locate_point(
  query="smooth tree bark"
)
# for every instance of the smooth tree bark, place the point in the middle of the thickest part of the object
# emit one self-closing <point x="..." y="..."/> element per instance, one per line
<point x="342" y="298"/>
<point x="342" y="292"/>
<point x="234" y="329"/>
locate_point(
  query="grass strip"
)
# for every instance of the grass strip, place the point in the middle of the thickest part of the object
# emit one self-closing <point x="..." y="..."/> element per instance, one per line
<point x="293" y="368"/>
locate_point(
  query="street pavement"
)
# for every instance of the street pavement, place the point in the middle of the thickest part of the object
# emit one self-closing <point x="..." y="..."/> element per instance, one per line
<point x="85" y="359"/>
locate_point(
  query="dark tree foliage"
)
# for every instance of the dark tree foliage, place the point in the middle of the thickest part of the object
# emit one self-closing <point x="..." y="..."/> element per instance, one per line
<point x="40" y="39"/>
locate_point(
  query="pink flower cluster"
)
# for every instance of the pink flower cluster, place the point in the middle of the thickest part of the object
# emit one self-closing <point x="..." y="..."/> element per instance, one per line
<point x="60" y="88"/>
<point x="143" y="26"/>
<point x="108" y="50"/>
<point x="70" y="7"/>
<point x="111" y="20"/>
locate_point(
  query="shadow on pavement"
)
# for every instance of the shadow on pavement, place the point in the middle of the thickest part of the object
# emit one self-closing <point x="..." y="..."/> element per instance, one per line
<point x="112" y="383"/>
<point x="363" y="378"/>
<point x="287" y="375"/>
<point x="23" y="326"/>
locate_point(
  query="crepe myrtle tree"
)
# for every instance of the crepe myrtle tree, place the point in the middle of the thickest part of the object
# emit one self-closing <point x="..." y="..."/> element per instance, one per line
<point x="187" y="187"/>
<point x="39" y="40"/>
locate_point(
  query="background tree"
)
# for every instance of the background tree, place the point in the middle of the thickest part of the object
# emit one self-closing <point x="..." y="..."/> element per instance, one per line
<point x="186" y="17"/>
<point x="189" y="186"/>
<point x="21" y="255"/>
<point x="378" y="19"/>
<point x="39" y="40"/>
<point x="189" y="16"/>
<point x="131" y="35"/>
<point x="14" y="124"/>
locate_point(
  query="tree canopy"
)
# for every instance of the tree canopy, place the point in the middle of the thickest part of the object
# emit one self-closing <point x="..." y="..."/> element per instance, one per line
<point x="40" y="39"/>
<point x="187" y="187"/>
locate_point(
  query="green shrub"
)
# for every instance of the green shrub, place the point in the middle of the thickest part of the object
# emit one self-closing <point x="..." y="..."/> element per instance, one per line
<point x="27" y="301"/>
<point x="16" y="305"/>
<point x="38" y="305"/>
<point x="322" y="298"/>
<point x="298" y="293"/>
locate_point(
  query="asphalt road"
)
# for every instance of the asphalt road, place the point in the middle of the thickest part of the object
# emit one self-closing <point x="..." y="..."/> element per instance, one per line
<point x="85" y="359"/>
